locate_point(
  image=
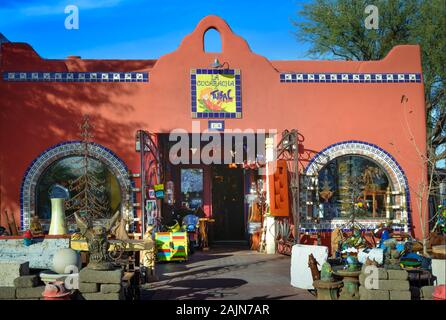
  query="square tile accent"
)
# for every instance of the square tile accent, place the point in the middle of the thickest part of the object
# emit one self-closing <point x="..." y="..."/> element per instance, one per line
<point x="350" y="77"/>
<point x="76" y="76"/>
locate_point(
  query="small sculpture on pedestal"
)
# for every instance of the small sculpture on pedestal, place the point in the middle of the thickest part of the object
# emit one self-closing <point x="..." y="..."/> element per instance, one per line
<point x="97" y="241"/>
<point x="326" y="272"/>
<point x="327" y="288"/>
<point x="35" y="226"/>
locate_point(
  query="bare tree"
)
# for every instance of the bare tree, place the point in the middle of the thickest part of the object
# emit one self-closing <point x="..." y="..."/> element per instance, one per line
<point x="426" y="187"/>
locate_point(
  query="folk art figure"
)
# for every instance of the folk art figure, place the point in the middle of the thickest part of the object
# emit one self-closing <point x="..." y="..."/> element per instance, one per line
<point x="97" y="241"/>
<point x="312" y="264"/>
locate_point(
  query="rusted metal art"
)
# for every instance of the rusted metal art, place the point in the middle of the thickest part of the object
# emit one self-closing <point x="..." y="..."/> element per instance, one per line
<point x="288" y="149"/>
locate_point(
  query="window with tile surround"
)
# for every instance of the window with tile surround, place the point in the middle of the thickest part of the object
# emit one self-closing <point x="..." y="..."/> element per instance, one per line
<point x="353" y="182"/>
<point x="69" y="168"/>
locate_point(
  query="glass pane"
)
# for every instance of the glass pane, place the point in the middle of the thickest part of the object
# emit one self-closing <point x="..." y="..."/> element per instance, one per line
<point x="192" y="188"/>
<point x="350" y="184"/>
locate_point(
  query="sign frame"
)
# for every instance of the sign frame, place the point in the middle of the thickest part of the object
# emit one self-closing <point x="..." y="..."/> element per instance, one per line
<point x="216" y="115"/>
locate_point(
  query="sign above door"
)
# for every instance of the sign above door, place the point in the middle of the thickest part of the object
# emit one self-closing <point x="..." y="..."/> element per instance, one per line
<point x="215" y="93"/>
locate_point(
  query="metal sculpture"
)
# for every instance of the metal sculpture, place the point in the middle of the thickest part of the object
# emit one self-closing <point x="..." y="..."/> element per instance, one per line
<point x="97" y="241"/>
<point x="88" y="191"/>
<point x="288" y="149"/>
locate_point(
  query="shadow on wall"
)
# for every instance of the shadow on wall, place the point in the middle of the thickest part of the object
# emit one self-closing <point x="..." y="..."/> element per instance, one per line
<point x="36" y="116"/>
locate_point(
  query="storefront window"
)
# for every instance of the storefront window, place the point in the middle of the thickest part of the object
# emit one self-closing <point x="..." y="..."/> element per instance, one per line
<point x="350" y="184"/>
<point x="69" y="169"/>
<point x="192" y="188"/>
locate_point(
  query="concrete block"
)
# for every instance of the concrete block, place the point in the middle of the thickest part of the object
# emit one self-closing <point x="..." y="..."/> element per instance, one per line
<point x="29" y="293"/>
<point x="29" y="281"/>
<point x="382" y="273"/>
<point x="300" y="272"/>
<point x="396" y="285"/>
<point x="426" y="292"/>
<point x="110" y="288"/>
<point x="7" y="293"/>
<point x="102" y="296"/>
<point x="365" y="294"/>
<point x="98" y="276"/>
<point x="439" y="270"/>
<point x="400" y="295"/>
<point x="398" y="274"/>
<point x="11" y="269"/>
<point x="87" y="287"/>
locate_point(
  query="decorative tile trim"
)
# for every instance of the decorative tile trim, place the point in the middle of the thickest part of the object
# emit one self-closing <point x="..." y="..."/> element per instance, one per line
<point x="216" y="115"/>
<point x="59" y="151"/>
<point x="383" y="158"/>
<point x="351" y="77"/>
<point x="76" y="76"/>
<point x="328" y="226"/>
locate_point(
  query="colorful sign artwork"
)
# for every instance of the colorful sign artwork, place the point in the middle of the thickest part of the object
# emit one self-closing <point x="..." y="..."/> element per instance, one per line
<point x="215" y="93"/>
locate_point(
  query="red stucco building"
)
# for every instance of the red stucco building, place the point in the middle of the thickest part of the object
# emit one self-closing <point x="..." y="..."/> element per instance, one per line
<point x="353" y="118"/>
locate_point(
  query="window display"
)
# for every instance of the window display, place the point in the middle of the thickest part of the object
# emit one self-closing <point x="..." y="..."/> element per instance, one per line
<point x="69" y="169"/>
<point x="192" y="188"/>
<point x="350" y="183"/>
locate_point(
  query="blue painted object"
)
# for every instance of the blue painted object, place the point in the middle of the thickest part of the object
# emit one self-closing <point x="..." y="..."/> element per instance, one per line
<point x="59" y="192"/>
<point x="27" y="242"/>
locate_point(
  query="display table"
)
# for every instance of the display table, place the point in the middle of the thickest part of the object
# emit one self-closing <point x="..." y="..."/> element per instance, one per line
<point x="126" y="245"/>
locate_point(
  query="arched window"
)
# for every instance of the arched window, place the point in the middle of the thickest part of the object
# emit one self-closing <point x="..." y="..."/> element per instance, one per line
<point x="66" y="170"/>
<point x="353" y="183"/>
<point x="212" y="41"/>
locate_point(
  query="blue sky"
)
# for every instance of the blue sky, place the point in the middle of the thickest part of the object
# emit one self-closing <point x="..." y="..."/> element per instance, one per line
<point x="146" y="29"/>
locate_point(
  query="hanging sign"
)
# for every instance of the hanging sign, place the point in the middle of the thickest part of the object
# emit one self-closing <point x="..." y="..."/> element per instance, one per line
<point x="215" y="93"/>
